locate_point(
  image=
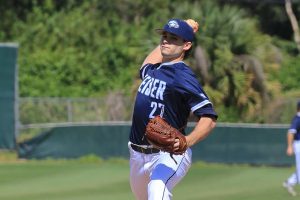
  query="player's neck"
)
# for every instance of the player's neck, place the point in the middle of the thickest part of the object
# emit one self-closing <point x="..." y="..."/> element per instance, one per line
<point x="172" y="59"/>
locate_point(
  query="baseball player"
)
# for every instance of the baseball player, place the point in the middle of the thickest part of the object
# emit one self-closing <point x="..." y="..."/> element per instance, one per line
<point x="293" y="147"/>
<point x="170" y="89"/>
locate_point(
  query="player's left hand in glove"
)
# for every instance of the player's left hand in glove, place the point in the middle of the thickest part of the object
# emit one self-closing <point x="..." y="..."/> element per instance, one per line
<point x="162" y="136"/>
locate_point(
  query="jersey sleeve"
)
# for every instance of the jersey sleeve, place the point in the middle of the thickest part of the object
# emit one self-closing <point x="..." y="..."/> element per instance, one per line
<point x="144" y="69"/>
<point x="295" y="125"/>
<point x="191" y="90"/>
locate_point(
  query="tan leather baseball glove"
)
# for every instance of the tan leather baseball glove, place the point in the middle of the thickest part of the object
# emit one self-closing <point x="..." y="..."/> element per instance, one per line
<point x="162" y="136"/>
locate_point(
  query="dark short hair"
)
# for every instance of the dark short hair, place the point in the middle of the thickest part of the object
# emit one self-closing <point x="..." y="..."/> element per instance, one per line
<point x="298" y="105"/>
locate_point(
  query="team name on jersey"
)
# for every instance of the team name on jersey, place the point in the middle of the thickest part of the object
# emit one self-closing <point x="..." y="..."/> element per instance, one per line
<point x="153" y="87"/>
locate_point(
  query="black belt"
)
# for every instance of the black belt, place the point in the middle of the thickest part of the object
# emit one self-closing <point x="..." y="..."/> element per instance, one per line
<point x="144" y="150"/>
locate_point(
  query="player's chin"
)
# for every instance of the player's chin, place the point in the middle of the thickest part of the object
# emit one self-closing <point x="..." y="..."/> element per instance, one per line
<point x="165" y="51"/>
<point x="168" y="54"/>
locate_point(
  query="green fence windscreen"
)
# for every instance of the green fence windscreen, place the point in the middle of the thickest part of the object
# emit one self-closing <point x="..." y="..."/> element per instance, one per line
<point x="76" y="141"/>
<point x="8" y="94"/>
<point x="244" y="145"/>
<point x="224" y="144"/>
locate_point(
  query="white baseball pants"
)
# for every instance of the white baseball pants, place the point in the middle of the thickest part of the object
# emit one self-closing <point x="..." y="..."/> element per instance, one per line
<point x="295" y="177"/>
<point x="153" y="176"/>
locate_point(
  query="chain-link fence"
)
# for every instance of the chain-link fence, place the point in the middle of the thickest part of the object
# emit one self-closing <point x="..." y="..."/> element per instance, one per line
<point x="114" y="107"/>
<point x="57" y="110"/>
<point x="38" y="114"/>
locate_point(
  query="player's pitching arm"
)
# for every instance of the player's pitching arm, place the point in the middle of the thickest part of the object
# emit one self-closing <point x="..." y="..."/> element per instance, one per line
<point x="153" y="57"/>
<point x="202" y="129"/>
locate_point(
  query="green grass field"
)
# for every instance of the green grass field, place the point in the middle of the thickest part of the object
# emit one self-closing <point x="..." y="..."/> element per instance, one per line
<point x="108" y="180"/>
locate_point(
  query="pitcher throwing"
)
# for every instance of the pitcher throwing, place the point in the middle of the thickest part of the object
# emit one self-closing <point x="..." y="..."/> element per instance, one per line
<point x="169" y="89"/>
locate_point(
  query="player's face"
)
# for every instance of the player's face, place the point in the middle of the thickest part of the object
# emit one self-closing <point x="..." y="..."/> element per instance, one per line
<point x="173" y="47"/>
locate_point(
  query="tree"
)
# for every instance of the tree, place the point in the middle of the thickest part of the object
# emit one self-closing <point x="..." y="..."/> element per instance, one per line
<point x="294" y="22"/>
<point x="228" y="62"/>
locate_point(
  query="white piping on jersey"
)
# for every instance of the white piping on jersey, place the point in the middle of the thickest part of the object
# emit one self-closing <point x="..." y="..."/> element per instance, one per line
<point x="298" y="114"/>
<point x="169" y="63"/>
<point x="292" y="130"/>
<point x="143" y="72"/>
<point x="199" y="105"/>
<point x="161" y="65"/>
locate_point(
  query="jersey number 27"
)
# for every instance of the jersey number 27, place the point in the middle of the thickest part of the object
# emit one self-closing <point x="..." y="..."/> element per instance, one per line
<point x="157" y="109"/>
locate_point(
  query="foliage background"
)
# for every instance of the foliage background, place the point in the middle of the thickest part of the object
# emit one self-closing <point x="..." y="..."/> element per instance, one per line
<point x="95" y="48"/>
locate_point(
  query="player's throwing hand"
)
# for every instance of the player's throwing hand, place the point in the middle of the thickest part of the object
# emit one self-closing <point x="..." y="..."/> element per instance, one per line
<point x="193" y="24"/>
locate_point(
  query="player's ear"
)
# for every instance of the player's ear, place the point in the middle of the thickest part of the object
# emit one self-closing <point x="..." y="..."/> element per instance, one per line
<point x="187" y="46"/>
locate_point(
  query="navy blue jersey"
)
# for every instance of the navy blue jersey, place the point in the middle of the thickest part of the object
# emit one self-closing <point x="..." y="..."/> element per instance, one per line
<point x="295" y="126"/>
<point x="172" y="91"/>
